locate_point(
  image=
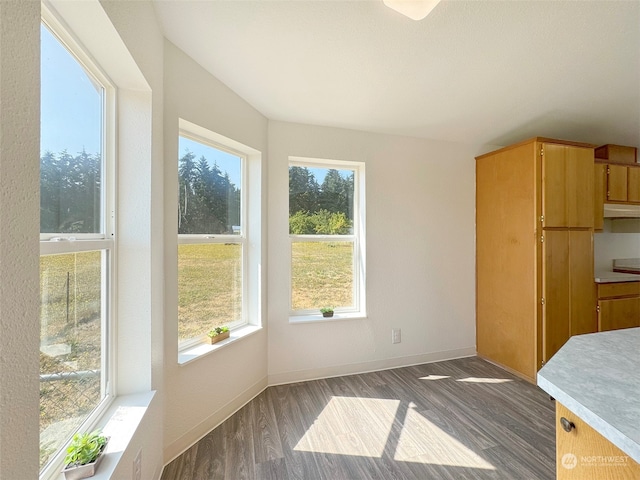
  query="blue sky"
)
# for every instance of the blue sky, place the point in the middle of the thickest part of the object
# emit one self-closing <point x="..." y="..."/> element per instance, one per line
<point x="71" y="115"/>
<point x="70" y="103"/>
<point x="225" y="161"/>
<point x="71" y="110"/>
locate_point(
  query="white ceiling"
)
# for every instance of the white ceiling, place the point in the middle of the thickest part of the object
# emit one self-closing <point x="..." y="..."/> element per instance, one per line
<point x="480" y="72"/>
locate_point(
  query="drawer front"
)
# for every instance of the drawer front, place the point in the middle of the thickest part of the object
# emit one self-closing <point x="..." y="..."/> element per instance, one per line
<point x="622" y="289"/>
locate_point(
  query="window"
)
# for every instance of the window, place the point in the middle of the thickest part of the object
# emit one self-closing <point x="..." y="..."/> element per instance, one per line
<point x="212" y="250"/>
<point x="326" y="231"/>
<point x="76" y="242"/>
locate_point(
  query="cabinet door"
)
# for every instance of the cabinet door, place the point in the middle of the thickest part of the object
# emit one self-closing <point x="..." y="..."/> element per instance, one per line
<point x="578" y="451"/>
<point x="567" y="186"/>
<point x="599" y="188"/>
<point x="633" y="184"/>
<point x="580" y="185"/>
<point x="554" y="186"/>
<point x="583" y="319"/>
<point x="556" y="275"/>
<point x="618" y="313"/>
<point x="616" y="183"/>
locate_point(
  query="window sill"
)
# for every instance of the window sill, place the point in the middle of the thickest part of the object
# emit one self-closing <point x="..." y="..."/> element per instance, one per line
<point x="318" y="318"/>
<point x="193" y="353"/>
<point x="120" y="423"/>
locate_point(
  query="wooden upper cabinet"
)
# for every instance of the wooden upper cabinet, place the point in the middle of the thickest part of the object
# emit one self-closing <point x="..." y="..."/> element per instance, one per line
<point x="633" y="184"/>
<point x="617" y="183"/>
<point x="567" y="186"/>
<point x="600" y="186"/>
<point x="623" y="184"/>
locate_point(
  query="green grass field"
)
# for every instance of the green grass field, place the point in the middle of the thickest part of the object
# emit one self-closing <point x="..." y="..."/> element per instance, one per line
<point x="209" y="295"/>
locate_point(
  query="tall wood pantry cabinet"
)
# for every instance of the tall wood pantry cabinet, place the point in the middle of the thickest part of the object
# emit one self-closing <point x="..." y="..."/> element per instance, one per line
<point x="534" y="251"/>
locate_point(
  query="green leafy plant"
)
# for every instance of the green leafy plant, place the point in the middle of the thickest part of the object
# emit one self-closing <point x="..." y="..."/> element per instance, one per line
<point x="327" y="311"/>
<point x="217" y="331"/>
<point x="84" y="448"/>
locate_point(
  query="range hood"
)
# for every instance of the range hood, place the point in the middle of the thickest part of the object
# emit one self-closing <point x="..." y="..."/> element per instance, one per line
<point x="616" y="210"/>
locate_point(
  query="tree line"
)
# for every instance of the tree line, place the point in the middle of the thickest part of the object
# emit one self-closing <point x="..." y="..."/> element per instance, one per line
<point x="70" y="189"/>
<point x="315" y="208"/>
<point x="209" y="202"/>
<point x="70" y="192"/>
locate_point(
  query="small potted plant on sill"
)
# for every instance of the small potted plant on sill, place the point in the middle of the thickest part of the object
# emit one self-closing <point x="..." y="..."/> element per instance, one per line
<point x="327" y="312"/>
<point x="218" y="333"/>
<point x="84" y="454"/>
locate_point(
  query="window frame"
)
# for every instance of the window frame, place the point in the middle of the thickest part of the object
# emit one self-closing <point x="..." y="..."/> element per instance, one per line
<point x="104" y="241"/>
<point x="357" y="238"/>
<point x="241" y="239"/>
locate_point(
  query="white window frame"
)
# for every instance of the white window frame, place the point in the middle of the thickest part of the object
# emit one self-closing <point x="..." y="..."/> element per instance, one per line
<point x="358" y="310"/>
<point x="65" y="243"/>
<point x="210" y="139"/>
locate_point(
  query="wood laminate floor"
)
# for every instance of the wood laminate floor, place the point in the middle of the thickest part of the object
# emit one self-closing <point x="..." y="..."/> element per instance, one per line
<point x="458" y="419"/>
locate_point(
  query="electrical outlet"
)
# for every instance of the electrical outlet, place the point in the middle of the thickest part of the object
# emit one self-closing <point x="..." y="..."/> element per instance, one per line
<point x="396" y="335"/>
<point x="137" y="466"/>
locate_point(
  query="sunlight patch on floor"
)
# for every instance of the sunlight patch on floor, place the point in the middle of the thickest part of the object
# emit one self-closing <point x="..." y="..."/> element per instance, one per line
<point x="351" y="426"/>
<point x="484" y="380"/>
<point x="423" y="442"/>
<point x="362" y="427"/>
<point x="434" y="377"/>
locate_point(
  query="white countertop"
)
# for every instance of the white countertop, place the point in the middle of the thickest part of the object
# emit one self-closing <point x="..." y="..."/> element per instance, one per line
<point x="612" y="277"/>
<point x="597" y="377"/>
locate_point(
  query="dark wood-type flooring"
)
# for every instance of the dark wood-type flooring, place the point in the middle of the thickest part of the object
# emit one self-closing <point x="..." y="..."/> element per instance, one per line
<point x="458" y="419"/>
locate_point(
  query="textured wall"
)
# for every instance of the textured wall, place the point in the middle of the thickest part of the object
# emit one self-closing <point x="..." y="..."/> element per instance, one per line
<point x="19" y="232"/>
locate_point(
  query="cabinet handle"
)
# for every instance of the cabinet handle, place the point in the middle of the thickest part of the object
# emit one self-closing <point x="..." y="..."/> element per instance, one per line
<point x="567" y="425"/>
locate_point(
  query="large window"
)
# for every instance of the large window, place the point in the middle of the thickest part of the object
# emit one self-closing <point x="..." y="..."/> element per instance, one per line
<point x="211" y="237"/>
<point x="76" y="242"/>
<point x="326" y="231"/>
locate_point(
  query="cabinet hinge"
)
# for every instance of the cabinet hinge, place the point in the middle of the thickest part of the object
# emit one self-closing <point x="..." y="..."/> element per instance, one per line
<point x="541" y="238"/>
<point x="541" y="218"/>
<point x="598" y="309"/>
<point x="542" y="301"/>
<point x="608" y="193"/>
<point x="542" y="151"/>
<point x="608" y="170"/>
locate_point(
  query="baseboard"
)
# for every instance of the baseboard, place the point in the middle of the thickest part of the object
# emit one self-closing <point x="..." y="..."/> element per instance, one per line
<point x="194" y="435"/>
<point x="365" y="367"/>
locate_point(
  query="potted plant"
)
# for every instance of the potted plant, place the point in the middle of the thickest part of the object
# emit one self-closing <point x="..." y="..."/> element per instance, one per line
<point x="84" y="454"/>
<point x="327" y="311"/>
<point x="218" y="333"/>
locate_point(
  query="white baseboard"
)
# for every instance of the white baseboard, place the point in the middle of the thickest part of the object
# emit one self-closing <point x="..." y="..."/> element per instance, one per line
<point x="186" y="441"/>
<point x="365" y="367"/>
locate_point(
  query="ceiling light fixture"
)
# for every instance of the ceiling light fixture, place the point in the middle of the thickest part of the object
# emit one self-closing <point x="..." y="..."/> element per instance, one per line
<point x="414" y="9"/>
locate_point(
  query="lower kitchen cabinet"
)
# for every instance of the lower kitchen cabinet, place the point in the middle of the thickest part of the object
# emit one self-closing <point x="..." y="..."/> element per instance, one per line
<point x="584" y="454"/>
<point x="618" y="305"/>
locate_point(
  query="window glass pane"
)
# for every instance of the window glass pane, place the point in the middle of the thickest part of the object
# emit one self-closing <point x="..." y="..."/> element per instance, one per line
<point x="70" y="345"/>
<point x="322" y="275"/>
<point x="320" y="201"/>
<point x="70" y="143"/>
<point x="210" y="196"/>
<point x="209" y="287"/>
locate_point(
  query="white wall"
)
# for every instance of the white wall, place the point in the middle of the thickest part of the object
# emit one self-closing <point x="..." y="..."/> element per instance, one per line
<point x="19" y="230"/>
<point x="608" y="246"/>
<point x="201" y="394"/>
<point x="420" y="255"/>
